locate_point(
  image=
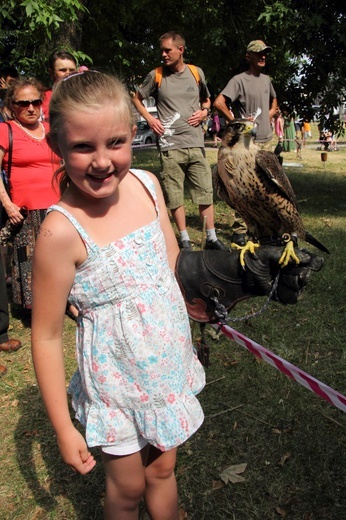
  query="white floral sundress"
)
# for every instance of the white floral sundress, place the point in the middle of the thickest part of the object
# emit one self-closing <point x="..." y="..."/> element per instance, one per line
<point x="138" y="374"/>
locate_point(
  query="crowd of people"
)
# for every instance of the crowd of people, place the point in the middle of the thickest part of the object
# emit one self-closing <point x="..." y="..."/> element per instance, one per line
<point x="27" y="163"/>
<point x="94" y="233"/>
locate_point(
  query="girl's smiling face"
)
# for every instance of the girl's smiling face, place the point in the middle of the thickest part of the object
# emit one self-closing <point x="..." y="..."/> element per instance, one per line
<point x="96" y="148"/>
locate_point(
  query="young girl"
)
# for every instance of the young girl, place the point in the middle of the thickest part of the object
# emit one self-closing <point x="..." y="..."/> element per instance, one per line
<point x="108" y="247"/>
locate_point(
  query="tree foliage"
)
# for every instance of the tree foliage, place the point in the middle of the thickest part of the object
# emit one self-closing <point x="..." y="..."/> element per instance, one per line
<point x="314" y="33"/>
<point x="307" y="36"/>
<point x="31" y="29"/>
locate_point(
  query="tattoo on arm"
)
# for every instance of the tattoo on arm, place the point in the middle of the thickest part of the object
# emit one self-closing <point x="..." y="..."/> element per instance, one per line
<point x="45" y="232"/>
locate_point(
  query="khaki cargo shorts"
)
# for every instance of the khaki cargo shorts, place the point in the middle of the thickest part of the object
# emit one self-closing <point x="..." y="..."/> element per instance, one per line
<point x="188" y="164"/>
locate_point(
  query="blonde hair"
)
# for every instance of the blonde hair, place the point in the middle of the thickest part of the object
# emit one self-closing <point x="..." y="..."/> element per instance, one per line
<point x="176" y="38"/>
<point x="84" y="91"/>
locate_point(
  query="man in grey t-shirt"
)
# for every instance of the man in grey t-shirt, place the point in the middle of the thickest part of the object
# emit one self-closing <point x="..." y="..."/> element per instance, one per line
<point x="249" y="91"/>
<point x="183" y="102"/>
<point x="245" y="93"/>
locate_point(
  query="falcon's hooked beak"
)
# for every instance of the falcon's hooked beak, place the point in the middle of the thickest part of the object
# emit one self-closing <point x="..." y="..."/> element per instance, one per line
<point x="253" y="130"/>
<point x="249" y="128"/>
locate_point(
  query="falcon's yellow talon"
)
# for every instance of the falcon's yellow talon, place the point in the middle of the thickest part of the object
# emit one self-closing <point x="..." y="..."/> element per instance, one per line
<point x="236" y="246"/>
<point x="249" y="246"/>
<point x="288" y="254"/>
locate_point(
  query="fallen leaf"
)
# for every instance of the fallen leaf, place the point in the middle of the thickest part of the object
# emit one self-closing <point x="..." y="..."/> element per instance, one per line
<point x="182" y="513"/>
<point x="217" y="484"/>
<point x="231" y="474"/>
<point x="32" y="433"/>
<point x="230" y="363"/>
<point x="284" y="459"/>
<point x="280" y="511"/>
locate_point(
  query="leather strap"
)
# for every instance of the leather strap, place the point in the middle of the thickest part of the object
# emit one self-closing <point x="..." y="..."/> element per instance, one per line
<point x="10" y="147"/>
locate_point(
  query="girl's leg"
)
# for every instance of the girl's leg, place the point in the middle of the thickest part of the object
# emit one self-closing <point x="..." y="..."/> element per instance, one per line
<point x="161" y="496"/>
<point x="125" y="484"/>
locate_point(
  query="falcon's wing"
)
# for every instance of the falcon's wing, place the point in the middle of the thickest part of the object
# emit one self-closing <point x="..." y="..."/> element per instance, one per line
<point x="220" y="187"/>
<point x="270" y="166"/>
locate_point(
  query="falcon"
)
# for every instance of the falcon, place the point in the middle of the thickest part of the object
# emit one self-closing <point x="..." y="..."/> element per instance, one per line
<point x="253" y="183"/>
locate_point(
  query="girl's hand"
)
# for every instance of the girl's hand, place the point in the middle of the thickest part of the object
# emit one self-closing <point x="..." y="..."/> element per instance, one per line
<point x="74" y="451"/>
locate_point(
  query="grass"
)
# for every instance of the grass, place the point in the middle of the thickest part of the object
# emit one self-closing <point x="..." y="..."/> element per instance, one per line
<point x="294" y="444"/>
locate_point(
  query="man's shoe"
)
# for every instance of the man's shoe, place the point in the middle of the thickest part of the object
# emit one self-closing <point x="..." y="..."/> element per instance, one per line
<point x="10" y="346"/>
<point x="239" y="239"/>
<point x="186" y="244"/>
<point x="3" y="370"/>
<point x="216" y="244"/>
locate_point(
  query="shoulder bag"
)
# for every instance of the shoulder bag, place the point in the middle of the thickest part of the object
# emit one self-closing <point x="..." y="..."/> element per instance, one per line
<point x="5" y="176"/>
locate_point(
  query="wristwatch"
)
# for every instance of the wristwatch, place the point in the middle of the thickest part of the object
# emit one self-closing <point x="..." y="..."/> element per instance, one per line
<point x="207" y="109"/>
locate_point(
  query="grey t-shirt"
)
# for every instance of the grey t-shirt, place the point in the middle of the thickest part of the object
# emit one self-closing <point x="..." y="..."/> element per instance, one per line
<point x="177" y="99"/>
<point x="248" y="93"/>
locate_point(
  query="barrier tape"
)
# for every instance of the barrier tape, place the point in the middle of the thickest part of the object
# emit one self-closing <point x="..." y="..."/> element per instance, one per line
<point x="137" y="146"/>
<point x="293" y="372"/>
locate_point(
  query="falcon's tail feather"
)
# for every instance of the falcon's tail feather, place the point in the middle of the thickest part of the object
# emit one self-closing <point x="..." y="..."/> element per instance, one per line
<point x="313" y="241"/>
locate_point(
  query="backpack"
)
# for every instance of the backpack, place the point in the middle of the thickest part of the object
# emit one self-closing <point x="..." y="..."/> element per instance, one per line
<point x="159" y="73"/>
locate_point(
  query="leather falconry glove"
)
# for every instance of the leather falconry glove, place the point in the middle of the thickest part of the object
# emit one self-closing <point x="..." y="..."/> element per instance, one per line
<point x="211" y="277"/>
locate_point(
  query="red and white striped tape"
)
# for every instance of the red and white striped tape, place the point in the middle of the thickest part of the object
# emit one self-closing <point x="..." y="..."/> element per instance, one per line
<point x="304" y="379"/>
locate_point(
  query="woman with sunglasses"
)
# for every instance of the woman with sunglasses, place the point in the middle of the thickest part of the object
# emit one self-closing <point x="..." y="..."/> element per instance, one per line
<point x="32" y="167"/>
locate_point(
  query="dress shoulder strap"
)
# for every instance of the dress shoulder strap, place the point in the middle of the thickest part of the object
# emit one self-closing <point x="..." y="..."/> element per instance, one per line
<point x="90" y="245"/>
<point x="148" y="183"/>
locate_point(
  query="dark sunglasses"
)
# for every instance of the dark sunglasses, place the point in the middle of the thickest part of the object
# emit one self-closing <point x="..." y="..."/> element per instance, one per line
<point x="26" y="104"/>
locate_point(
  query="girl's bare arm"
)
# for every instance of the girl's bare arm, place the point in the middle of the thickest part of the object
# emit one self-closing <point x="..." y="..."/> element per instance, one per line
<point x="55" y="254"/>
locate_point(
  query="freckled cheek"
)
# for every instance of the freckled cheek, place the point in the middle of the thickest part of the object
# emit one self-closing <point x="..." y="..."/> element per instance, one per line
<point x="76" y="170"/>
<point x="78" y="162"/>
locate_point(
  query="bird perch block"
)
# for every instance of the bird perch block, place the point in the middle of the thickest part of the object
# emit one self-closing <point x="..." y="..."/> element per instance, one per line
<point x="324" y="156"/>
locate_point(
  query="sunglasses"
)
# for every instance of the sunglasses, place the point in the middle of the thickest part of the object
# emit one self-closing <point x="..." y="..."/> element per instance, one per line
<point x="26" y="103"/>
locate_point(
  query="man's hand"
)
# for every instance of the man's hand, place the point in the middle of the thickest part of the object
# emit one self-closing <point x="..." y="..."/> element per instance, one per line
<point x="156" y="126"/>
<point x="197" y="118"/>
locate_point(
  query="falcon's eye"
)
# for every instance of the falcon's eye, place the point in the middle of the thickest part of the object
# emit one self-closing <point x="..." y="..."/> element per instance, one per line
<point x="238" y="126"/>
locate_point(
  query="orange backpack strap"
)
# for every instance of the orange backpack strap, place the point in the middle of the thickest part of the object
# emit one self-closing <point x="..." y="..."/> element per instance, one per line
<point x="194" y="72"/>
<point x="159" y="73"/>
<point x="158" y="76"/>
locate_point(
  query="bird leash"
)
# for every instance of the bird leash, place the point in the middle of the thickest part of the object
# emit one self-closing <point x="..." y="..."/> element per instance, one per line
<point x="222" y="313"/>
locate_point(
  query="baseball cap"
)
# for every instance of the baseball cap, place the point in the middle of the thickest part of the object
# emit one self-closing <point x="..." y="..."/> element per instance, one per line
<point x="257" y="46"/>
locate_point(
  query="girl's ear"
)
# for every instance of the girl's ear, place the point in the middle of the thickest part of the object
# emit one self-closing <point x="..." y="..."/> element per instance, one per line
<point x="133" y="133"/>
<point x="53" y="146"/>
<point x="134" y="130"/>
